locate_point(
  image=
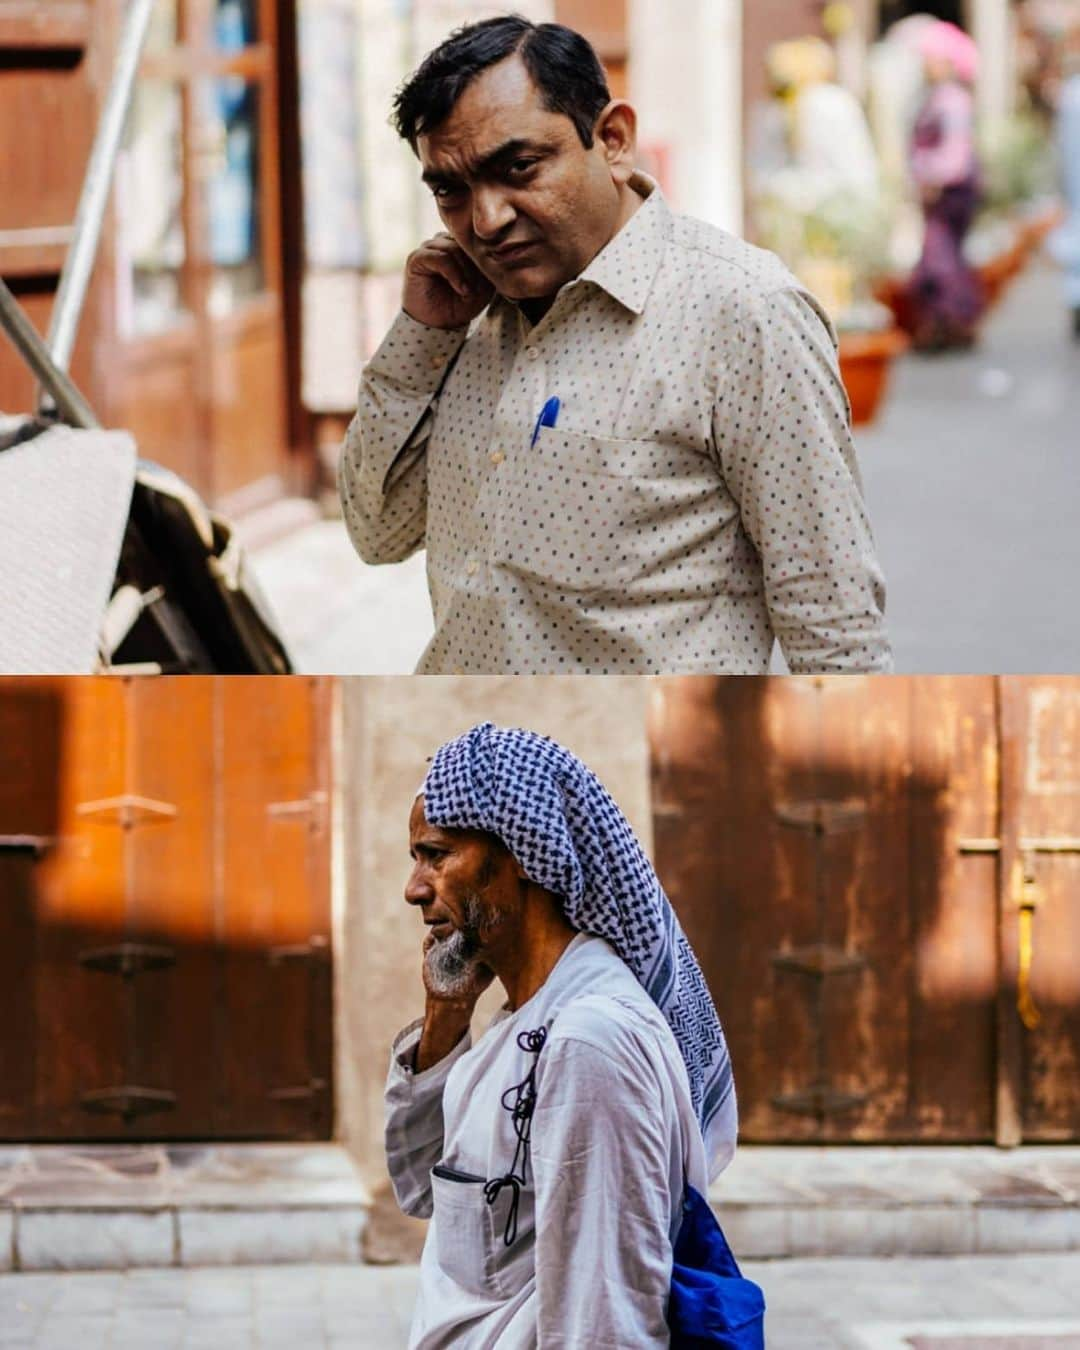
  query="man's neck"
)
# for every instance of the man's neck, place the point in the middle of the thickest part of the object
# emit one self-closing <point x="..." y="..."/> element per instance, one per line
<point x="525" y="960"/>
<point x="535" y="309"/>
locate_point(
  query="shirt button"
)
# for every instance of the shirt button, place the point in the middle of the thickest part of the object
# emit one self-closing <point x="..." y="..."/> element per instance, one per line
<point x="472" y="567"/>
<point x="458" y="670"/>
<point x="533" y="353"/>
<point x="497" y="456"/>
<point x="437" y="362"/>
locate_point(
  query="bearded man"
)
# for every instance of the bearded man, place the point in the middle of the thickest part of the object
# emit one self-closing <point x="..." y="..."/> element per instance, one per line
<point x="554" y="1155"/>
<point x="620" y="433"/>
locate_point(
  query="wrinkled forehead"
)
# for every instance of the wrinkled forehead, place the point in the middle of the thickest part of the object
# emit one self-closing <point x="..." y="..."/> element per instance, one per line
<point x="501" y="104"/>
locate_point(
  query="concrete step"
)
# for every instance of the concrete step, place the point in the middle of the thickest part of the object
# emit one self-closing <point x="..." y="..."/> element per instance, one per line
<point x="124" y="1207"/>
<point x="120" y="1207"/>
<point x="905" y="1201"/>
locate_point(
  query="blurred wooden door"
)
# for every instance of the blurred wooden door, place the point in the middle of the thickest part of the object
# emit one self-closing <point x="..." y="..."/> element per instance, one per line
<point x="848" y="858"/>
<point x="164" y="924"/>
<point x="201" y="382"/>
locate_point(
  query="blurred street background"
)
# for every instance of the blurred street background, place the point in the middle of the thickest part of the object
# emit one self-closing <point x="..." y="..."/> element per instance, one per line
<point x="917" y="165"/>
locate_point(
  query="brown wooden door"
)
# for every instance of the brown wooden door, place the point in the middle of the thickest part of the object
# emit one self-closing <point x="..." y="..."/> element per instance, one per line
<point x="164" y="925"/>
<point x="199" y="252"/>
<point x="1039" y="1086"/>
<point x="842" y="855"/>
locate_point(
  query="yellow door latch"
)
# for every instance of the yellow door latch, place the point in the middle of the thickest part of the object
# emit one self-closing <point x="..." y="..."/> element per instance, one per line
<point x="1027" y="900"/>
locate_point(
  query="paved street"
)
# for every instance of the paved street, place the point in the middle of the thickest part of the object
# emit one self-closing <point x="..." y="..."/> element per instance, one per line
<point x="972" y="1303"/>
<point x="973" y="480"/>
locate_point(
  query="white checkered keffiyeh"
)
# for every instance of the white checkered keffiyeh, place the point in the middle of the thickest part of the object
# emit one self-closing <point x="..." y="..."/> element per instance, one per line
<point x="562" y="826"/>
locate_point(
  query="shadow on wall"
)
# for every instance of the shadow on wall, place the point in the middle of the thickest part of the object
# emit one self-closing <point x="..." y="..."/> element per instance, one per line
<point x="164" y="939"/>
<point x="829" y="845"/>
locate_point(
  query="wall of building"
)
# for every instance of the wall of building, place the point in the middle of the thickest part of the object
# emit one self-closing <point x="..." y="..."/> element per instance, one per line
<point x="685" y="80"/>
<point x="388" y="729"/>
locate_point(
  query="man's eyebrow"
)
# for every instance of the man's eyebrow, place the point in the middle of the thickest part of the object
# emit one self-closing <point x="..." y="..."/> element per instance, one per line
<point x="508" y="150"/>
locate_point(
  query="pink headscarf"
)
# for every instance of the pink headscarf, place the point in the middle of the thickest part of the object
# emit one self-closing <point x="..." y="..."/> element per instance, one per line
<point x="943" y="41"/>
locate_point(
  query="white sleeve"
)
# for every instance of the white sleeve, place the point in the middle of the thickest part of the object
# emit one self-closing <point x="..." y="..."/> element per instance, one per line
<point x="601" y="1157"/>
<point x="414" y="1119"/>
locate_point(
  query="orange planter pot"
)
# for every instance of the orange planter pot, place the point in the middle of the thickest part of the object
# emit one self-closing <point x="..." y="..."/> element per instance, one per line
<point x="865" y="361"/>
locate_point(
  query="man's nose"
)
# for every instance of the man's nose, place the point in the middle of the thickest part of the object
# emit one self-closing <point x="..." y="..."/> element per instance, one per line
<point x="418" y="890"/>
<point x="492" y="212"/>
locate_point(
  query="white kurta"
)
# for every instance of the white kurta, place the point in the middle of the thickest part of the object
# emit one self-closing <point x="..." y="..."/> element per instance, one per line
<point x="614" y="1142"/>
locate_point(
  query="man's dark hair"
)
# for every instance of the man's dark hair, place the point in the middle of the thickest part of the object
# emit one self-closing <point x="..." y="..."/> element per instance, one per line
<point x="561" y="63"/>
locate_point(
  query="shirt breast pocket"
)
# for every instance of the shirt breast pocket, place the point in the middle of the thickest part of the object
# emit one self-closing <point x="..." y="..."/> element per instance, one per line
<point x="595" y="514"/>
<point x="469" y="1234"/>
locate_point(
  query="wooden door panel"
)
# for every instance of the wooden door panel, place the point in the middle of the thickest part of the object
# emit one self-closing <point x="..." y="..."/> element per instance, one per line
<point x="247" y="413"/>
<point x="277" y="936"/>
<point x="174" y="897"/>
<point x="953" y="802"/>
<point x="189" y="817"/>
<point x="159" y="399"/>
<point x="807" y="832"/>
<point x="61" y="755"/>
<point x="1041" y="724"/>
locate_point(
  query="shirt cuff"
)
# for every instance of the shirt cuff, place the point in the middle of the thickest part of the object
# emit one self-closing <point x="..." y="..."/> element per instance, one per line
<point x="403" y="1057"/>
<point x="415" y="356"/>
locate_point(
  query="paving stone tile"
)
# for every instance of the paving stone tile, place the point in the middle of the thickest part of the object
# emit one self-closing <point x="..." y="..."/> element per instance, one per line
<point x="80" y="1331"/>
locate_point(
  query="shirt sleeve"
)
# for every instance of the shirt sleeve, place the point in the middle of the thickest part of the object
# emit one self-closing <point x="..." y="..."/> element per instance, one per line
<point x="414" y="1119"/>
<point x="382" y="474"/>
<point x="601" y="1159"/>
<point x="782" y="428"/>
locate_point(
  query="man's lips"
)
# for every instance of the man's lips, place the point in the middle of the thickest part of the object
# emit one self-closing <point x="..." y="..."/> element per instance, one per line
<point x="511" y="252"/>
<point x="440" y="928"/>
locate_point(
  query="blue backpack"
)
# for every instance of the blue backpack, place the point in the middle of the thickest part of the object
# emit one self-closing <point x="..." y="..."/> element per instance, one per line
<point x="711" y="1304"/>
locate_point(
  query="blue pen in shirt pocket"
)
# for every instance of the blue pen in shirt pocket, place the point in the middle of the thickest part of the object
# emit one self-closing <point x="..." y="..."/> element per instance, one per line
<point x="549" y="415"/>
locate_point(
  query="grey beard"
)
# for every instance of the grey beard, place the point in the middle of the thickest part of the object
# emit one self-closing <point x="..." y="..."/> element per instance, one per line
<point x="452" y="961"/>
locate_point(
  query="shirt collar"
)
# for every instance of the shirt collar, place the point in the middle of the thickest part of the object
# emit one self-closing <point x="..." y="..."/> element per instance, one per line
<point x="627" y="265"/>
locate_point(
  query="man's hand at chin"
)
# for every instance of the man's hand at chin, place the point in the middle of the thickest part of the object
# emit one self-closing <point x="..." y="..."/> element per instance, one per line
<point x="443" y="286"/>
<point x="451" y="997"/>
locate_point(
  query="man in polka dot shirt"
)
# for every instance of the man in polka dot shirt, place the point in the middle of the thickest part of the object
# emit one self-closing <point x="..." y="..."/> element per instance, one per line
<point x="620" y="432"/>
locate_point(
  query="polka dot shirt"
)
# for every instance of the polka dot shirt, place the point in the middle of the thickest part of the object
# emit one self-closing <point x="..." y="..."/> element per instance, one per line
<point x="697" y="497"/>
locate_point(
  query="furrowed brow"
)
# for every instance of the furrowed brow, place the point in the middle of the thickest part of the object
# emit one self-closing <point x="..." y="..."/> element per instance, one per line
<point x="493" y="160"/>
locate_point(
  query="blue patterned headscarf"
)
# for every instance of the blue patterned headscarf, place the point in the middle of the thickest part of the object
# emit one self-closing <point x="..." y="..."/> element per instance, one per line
<point x="562" y="826"/>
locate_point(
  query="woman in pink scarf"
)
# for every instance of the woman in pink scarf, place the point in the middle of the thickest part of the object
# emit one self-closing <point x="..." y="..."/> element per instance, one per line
<point x="945" y="294"/>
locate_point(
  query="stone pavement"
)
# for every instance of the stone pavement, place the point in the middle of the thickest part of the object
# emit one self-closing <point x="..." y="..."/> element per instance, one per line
<point x="972" y="475"/>
<point x="928" y="1303"/>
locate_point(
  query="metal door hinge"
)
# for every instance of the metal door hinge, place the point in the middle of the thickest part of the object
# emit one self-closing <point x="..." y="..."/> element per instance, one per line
<point x="1063" y="843"/>
<point x="822" y="815"/>
<point x="819" y="1099"/>
<point x="313" y="806"/>
<point x="298" y="951"/>
<point x="127" y="1101"/>
<point x="127" y="811"/>
<point x="303" y="1092"/>
<point x="35" y="844"/>
<point x="819" y="959"/>
<point x="128" y="959"/>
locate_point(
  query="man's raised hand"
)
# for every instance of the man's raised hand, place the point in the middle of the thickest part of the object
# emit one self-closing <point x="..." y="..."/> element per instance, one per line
<point x="443" y="286"/>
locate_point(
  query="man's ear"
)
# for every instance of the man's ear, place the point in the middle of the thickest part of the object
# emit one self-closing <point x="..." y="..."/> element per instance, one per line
<point x="616" y="134"/>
